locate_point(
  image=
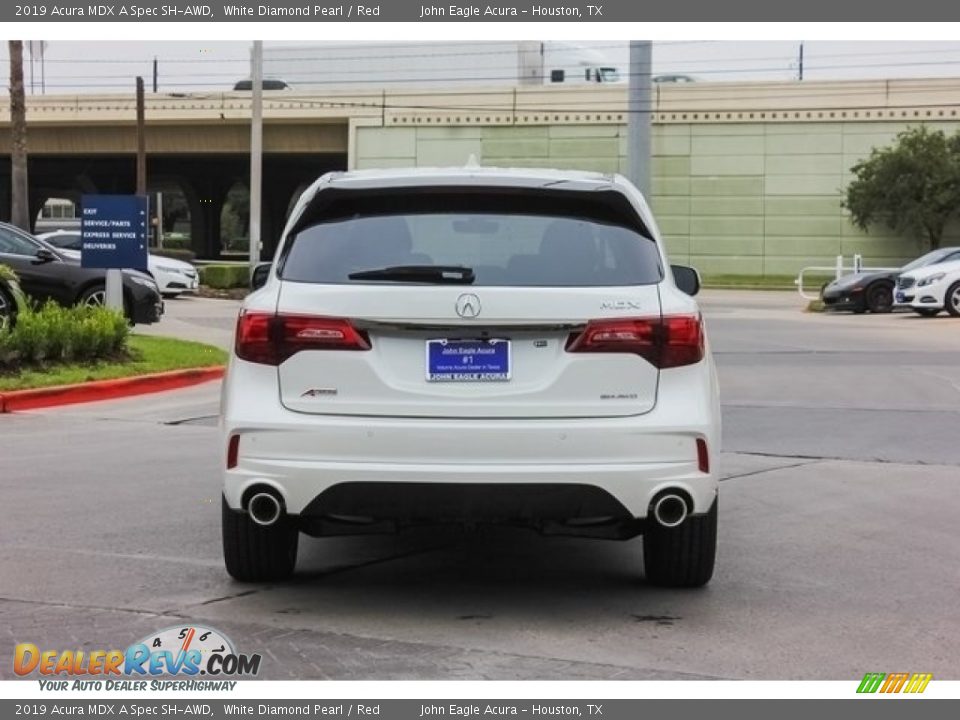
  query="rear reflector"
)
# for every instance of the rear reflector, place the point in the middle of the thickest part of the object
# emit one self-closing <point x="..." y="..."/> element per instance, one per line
<point x="233" y="450"/>
<point x="270" y="339"/>
<point x="666" y="342"/>
<point x="703" y="457"/>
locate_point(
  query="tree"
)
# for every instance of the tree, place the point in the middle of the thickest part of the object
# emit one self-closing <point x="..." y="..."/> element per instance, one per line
<point x="912" y="186"/>
<point x="19" y="204"/>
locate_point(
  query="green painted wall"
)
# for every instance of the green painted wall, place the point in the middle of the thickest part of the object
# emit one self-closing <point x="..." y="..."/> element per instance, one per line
<point x="744" y="198"/>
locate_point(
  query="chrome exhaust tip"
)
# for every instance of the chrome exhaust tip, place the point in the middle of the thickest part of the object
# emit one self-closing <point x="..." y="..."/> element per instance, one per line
<point x="670" y="510"/>
<point x="264" y="508"/>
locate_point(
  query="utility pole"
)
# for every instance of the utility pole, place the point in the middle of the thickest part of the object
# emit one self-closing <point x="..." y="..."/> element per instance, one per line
<point x="800" y="63"/>
<point x="114" y="283"/>
<point x="256" y="151"/>
<point x="19" y="187"/>
<point x="160" y="220"/>
<point x="141" y="142"/>
<point x="640" y="107"/>
<point x="155" y="73"/>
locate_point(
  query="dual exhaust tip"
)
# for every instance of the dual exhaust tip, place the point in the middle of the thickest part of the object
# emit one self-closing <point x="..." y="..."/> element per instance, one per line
<point x="670" y="510"/>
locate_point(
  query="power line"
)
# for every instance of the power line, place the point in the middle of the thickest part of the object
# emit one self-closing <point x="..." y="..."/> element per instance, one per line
<point x="785" y="56"/>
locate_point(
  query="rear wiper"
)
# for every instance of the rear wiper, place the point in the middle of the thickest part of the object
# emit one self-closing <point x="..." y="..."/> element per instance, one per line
<point x="454" y="274"/>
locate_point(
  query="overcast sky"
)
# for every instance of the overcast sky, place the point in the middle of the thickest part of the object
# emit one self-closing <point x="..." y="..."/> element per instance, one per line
<point x="82" y="67"/>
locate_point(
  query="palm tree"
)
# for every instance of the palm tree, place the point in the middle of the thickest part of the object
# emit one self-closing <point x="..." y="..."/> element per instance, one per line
<point x="19" y="205"/>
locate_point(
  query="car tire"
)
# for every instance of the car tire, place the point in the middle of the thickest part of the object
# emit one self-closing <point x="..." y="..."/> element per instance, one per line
<point x="681" y="556"/>
<point x="8" y="310"/>
<point x="879" y="298"/>
<point x="254" y="553"/>
<point x="951" y="301"/>
<point x="927" y="312"/>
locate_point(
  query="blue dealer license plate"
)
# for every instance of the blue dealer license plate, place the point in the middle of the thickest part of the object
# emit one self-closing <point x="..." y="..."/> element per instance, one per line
<point x="468" y="360"/>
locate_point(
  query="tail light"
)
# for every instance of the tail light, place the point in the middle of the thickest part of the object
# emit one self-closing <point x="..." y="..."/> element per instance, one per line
<point x="270" y="339"/>
<point x="670" y="341"/>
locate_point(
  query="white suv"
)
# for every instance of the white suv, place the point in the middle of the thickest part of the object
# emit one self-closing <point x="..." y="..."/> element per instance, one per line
<point x="471" y="345"/>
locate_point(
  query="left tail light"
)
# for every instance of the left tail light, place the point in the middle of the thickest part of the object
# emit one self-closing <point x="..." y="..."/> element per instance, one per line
<point x="269" y="338"/>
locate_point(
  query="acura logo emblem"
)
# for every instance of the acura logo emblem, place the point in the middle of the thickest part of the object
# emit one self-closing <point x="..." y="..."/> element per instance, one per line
<point x="468" y="305"/>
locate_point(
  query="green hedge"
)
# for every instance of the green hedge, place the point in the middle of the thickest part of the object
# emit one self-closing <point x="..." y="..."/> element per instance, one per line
<point x="177" y="242"/>
<point x="175" y="253"/>
<point x="224" y="277"/>
<point x="54" y="334"/>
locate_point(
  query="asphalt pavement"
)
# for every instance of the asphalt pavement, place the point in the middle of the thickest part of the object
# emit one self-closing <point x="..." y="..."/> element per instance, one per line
<point x="838" y="553"/>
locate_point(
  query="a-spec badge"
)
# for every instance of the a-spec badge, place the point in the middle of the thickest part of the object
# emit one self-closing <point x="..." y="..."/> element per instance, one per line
<point x="317" y="392"/>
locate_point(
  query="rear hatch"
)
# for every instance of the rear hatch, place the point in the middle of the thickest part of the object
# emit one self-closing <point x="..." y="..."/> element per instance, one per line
<point x="459" y="303"/>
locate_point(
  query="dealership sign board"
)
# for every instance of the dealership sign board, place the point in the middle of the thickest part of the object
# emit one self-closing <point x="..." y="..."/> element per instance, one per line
<point x="113" y="229"/>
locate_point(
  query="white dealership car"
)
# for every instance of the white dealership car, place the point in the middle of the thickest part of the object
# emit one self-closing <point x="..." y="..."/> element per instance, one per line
<point x="173" y="277"/>
<point x="471" y="345"/>
<point x="932" y="289"/>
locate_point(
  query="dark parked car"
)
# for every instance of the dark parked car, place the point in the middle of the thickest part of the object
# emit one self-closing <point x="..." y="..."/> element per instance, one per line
<point x="46" y="274"/>
<point x="875" y="291"/>
<point x="10" y="299"/>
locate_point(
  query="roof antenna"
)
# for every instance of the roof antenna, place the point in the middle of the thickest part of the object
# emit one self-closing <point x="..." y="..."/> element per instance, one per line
<point x="472" y="162"/>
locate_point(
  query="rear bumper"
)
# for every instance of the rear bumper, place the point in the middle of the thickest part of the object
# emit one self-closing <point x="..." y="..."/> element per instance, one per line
<point x="536" y="472"/>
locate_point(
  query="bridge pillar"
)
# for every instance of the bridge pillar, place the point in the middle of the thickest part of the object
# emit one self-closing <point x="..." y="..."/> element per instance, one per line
<point x="278" y="190"/>
<point x="206" y="197"/>
<point x="5" y="199"/>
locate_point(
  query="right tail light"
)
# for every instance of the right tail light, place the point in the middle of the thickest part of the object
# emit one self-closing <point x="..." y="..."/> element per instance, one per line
<point x="665" y="342"/>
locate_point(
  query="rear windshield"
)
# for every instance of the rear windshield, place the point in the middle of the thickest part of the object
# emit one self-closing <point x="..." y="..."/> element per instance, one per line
<point x="512" y="248"/>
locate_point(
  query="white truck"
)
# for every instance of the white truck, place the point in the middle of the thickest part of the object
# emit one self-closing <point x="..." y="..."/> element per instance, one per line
<point x="371" y="66"/>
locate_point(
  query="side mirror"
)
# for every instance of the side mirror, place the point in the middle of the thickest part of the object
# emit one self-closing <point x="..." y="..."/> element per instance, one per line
<point x="260" y="275"/>
<point x="44" y="255"/>
<point x="686" y="278"/>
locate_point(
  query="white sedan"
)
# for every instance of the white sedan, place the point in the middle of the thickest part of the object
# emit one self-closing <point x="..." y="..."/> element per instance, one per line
<point x="173" y="277"/>
<point x="932" y="288"/>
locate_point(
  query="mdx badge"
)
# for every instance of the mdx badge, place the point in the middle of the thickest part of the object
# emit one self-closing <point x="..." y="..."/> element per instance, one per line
<point x="619" y="305"/>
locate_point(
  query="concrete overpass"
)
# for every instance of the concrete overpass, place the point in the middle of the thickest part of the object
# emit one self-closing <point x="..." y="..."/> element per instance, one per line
<point x="199" y="142"/>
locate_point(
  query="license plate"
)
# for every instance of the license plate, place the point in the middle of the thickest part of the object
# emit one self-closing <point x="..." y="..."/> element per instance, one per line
<point x="468" y="360"/>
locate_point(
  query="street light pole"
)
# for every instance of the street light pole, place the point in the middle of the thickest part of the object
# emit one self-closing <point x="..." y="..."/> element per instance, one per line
<point x="256" y="151"/>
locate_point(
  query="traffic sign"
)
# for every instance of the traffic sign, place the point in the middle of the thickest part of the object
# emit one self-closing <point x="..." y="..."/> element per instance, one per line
<point x="113" y="229"/>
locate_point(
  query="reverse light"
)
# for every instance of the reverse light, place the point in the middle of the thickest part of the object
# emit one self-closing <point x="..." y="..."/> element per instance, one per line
<point x="269" y="339"/>
<point x="665" y="342"/>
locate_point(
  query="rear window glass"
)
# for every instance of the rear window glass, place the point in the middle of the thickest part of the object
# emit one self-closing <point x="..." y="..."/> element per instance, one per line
<point x="512" y="248"/>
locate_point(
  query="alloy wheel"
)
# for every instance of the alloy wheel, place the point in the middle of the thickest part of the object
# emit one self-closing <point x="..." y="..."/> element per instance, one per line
<point x="97" y="298"/>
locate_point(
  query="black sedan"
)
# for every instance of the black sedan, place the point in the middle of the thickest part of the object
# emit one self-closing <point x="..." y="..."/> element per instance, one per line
<point x="46" y="274"/>
<point x="11" y="298"/>
<point x="875" y="291"/>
